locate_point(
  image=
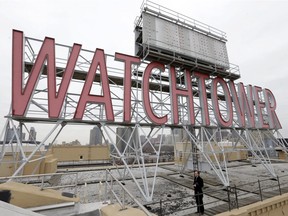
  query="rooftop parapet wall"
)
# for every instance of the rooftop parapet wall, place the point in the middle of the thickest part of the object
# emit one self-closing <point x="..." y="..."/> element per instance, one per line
<point x="275" y="206"/>
<point x="78" y="153"/>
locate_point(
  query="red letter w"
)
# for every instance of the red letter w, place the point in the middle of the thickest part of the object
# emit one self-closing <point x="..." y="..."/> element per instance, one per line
<point x="21" y="97"/>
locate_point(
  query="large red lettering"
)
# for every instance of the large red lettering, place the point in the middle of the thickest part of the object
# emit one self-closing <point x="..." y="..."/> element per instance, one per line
<point x="128" y="61"/>
<point x="203" y="97"/>
<point x="270" y="102"/>
<point x="242" y="105"/>
<point x="260" y="105"/>
<point x="181" y="92"/>
<point x="86" y="97"/>
<point x="145" y="94"/>
<point x="224" y="122"/>
<point x="21" y="98"/>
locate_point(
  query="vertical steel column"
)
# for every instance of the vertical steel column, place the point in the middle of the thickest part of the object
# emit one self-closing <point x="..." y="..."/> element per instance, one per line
<point x="35" y="150"/>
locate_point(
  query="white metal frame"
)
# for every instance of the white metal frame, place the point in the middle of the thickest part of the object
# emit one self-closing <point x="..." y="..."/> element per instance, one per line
<point x="140" y="124"/>
<point x="20" y="156"/>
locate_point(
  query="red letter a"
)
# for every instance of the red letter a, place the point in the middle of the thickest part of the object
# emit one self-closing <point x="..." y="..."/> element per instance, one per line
<point x="86" y="97"/>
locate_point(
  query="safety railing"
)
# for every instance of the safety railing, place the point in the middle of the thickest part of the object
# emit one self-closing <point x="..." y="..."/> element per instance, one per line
<point x="161" y="11"/>
<point x="120" y="198"/>
<point x="263" y="189"/>
<point x="173" y="205"/>
<point x="228" y="198"/>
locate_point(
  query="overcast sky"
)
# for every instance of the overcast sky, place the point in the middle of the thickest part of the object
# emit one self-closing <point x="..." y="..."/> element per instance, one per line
<point x="257" y="33"/>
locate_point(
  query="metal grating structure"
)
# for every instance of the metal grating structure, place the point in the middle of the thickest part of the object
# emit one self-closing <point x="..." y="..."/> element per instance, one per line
<point x="164" y="35"/>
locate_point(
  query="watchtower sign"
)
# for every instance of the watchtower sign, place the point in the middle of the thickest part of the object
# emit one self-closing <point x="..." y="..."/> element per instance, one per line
<point x="178" y="83"/>
<point x="163" y="94"/>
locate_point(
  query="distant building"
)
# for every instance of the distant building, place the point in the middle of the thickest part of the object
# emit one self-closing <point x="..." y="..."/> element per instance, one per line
<point x="10" y="135"/>
<point x="180" y="135"/>
<point x="32" y="134"/>
<point x="223" y="135"/>
<point x="208" y="135"/>
<point x="123" y="135"/>
<point x="72" y="143"/>
<point x="95" y="136"/>
<point x="169" y="140"/>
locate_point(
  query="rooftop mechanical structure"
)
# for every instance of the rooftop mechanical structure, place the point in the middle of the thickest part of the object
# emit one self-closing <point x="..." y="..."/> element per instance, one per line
<point x="161" y="35"/>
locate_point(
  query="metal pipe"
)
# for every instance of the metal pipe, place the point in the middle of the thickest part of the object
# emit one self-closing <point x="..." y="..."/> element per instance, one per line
<point x="75" y="189"/>
<point x="35" y="150"/>
<point x="260" y="191"/>
<point x="106" y="182"/>
<point x="280" y="192"/>
<point x="42" y="183"/>
<point x="131" y="196"/>
<point x="228" y="197"/>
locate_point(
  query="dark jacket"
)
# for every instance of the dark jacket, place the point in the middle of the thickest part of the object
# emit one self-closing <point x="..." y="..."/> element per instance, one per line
<point x="198" y="181"/>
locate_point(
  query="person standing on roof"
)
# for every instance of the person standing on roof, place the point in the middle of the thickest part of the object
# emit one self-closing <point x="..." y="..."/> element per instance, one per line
<point x="198" y="192"/>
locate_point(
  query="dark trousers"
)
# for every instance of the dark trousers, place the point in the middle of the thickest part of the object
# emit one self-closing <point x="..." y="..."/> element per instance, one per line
<point x="199" y="202"/>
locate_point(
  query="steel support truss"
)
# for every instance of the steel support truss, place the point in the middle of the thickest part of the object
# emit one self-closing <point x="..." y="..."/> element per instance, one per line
<point x="15" y="146"/>
<point x="130" y="151"/>
<point x="258" y="142"/>
<point x="205" y="143"/>
<point x="133" y="155"/>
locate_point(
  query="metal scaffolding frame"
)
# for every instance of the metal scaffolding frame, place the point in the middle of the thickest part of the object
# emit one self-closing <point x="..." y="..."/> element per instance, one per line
<point x="135" y="151"/>
<point x="16" y="147"/>
<point x="203" y="140"/>
<point x="140" y="124"/>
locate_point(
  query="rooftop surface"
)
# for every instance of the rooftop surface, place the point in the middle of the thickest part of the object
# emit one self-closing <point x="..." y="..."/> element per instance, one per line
<point x="176" y="193"/>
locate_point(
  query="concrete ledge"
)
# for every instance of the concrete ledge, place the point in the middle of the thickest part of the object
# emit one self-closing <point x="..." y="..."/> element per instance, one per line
<point x="11" y="210"/>
<point x="28" y="196"/>
<point x="275" y="206"/>
<point x="115" y="210"/>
